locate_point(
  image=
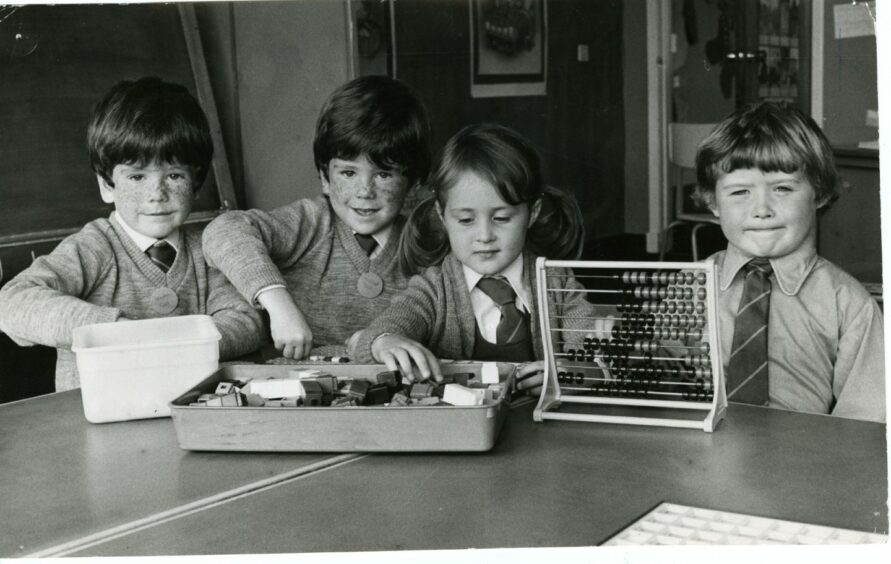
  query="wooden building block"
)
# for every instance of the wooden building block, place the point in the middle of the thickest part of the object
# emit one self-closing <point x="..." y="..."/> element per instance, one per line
<point x="377" y="394"/>
<point x="456" y="394"/>
<point x="490" y="373"/>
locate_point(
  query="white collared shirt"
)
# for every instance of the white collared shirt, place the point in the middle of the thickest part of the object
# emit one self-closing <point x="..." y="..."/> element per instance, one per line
<point x="144" y="241"/>
<point x="381" y="237"/>
<point x="485" y="310"/>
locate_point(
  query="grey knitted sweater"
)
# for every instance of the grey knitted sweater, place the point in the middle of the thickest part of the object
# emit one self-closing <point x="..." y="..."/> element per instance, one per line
<point x="436" y="311"/>
<point x="308" y="249"/>
<point x="99" y="274"/>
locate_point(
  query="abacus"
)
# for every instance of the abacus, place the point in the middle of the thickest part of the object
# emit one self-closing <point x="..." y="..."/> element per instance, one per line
<point x="641" y="349"/>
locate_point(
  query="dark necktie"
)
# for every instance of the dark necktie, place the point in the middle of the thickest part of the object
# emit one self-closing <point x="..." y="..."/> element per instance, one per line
<point x="747" y="380"/>
<point x="367" y="242"/>
<point x="512" y="322"/>
<point x="162" y="254"/>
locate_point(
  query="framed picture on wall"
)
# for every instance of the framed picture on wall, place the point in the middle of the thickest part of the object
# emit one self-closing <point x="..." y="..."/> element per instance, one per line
<point x="372" y="38"/>
<point x="508" y="48"/>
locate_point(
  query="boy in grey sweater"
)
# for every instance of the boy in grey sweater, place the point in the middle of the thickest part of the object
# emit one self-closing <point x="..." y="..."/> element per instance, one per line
<point x="324" y="267"/>
<point x="150" y="147"/>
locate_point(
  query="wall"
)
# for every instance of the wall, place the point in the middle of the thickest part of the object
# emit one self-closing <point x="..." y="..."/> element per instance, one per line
<point x="577" y="127"/>
<point x="289" y="57"/>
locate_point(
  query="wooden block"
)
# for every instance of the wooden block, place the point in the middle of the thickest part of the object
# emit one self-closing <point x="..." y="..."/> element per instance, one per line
<point x="275" y="387"/>
<point x="344" y="402"/>
<point x="490" y="373"/>
<point x="432" y="400"/>
<point x="399" y="399"/>
<point x="215" y="401"/>
<point x="378" y="394"/>
<point x="313" y="393"/>
<point x="292" y="402"/>
<point x="356" y="389"/>
<point x="207" y="397"/>
<point x="224" y="388"/>
<point x="456" y="394"/>
<point x="392" y="378"/>
<point x="234" y="399"/>
<point x="253" y="400"/>
<point x="421" y="390"/>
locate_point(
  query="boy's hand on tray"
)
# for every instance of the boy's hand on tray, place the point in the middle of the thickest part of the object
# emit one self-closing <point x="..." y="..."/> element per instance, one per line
<point x="412" y="359"/>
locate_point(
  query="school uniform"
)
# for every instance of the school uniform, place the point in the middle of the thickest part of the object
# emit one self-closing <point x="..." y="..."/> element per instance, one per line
<point x="306" y="248"/>
<point x="825" y="335"/>
<point x="100" y="274"/>
<point x="437" y="311"/>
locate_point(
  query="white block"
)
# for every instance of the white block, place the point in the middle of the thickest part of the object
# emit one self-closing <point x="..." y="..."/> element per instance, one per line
<point x="490" y="373"/>
<point x="276" y="388"/>
<point x="456" y="394"/>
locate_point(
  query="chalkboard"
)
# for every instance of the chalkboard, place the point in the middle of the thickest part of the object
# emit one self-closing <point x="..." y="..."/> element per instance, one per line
<point x="56" y="62"/>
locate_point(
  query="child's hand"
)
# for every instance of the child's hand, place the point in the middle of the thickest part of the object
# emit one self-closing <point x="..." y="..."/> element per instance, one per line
<point x="413" y="359"/>
<point x="530" y="378"/>
<point x="290" y="332"/>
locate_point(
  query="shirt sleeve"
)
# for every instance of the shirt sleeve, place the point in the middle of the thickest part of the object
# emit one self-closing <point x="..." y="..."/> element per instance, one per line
<point x="859" y="373"/>
<point x="251" y="247"/>
<point x="44" y="303"/>
<point x="411" y="314"/>
<point x="240" y="325"/>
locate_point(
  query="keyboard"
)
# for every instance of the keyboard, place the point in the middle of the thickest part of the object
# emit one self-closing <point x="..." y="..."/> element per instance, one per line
<point x="672" y="524"/>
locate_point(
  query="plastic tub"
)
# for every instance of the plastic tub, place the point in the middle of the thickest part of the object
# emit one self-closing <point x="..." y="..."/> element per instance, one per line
<point x="133" y="369"/>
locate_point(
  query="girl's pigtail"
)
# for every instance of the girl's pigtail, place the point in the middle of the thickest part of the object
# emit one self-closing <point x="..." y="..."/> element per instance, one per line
<point x="424" y="241"/>
<point x="559" y="230"/>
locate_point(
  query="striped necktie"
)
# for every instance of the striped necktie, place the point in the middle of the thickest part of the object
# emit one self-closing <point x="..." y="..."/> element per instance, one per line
<point x="162" y="254"/>
<point x="510" y="327"/>
<point x="747" y="380"/>
<point x="367" y="242"/>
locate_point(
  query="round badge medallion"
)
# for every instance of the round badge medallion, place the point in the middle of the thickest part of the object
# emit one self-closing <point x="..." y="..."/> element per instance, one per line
<point x="164" y="300"/>
<point x="370" y="285"/>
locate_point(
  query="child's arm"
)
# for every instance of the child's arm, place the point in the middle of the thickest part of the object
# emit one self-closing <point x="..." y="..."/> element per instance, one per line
<point x="43" y="304"/>
<point x="403" y="354"/>
<point x="395" y="336"/>
<point x="240" y="325"/>
<point x="859" y="375"/>
<point x="289" y="330"/>
<point x="249" y="247"/>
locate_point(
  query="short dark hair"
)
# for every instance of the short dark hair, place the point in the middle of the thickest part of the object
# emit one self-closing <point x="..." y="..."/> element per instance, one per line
<point x="772" y="137"/>
<point x="148" y="120"/>
<point x="379" y="117"/>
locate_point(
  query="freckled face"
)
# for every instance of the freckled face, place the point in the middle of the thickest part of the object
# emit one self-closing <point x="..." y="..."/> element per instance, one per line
<point x="153" y="199"/>
<point x="766" y="214"/>
<point x="366" y="197"/>
<point x="485" y="232"/>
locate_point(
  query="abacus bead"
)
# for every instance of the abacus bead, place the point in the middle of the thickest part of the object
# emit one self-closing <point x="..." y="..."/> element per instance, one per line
<point x="701" y="277"/>
<point x="688" y="293"/>
<point x="674" y="334"/>
<point x="701" y="293"/>
<point x="626" y="277"/>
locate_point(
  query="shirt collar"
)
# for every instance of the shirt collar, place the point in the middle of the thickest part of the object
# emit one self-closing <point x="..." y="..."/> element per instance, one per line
<point x="790" y="271"/>
<point x="381" y="236"/>
<point x="144" y="241"/>
<point x="513" y="273"/>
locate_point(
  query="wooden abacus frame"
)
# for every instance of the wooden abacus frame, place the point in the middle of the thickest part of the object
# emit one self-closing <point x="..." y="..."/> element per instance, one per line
<point x="635" y="410"/>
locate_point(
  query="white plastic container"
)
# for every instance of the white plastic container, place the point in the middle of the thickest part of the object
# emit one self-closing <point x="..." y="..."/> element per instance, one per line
<point x="133" y="369"/>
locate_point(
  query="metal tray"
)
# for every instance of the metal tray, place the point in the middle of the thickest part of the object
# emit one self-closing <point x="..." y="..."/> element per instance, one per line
<point x="339" y="429"/>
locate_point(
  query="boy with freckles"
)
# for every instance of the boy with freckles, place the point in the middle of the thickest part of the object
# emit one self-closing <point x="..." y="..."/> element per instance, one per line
<point x="151" y="148"/>
<point x="324" y="267"/>
<point x="797" y="332"/>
